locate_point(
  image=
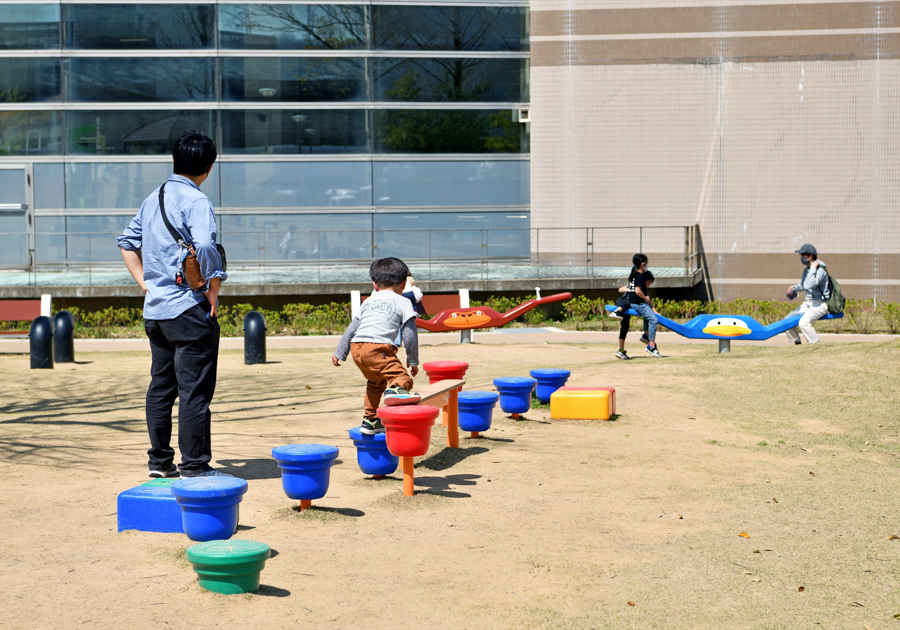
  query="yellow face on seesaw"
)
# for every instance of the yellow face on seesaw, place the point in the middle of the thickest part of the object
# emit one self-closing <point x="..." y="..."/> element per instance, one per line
<point x="726" y="327"/>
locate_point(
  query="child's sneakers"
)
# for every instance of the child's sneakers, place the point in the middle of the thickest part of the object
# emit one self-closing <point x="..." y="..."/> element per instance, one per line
<point x="371" y="426"/>
<point x="654" y="351"/>
<point x="644" y="339"/>
<point x="621" y="354"/>
<point x="616" y="314"/>
<point x="399" y="396"/>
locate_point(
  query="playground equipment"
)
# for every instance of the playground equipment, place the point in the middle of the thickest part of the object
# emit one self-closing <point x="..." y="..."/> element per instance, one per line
<point x="583" y="403"/>
<point x="515" y="393"/>
<point x="451" y="319"/>
<point x="408" y="435"/>
<point x="229" y="567"/>
<point x="475" y="410"/>
<point x="726" y="328"/>
<point x="443" y="370"/>
<point x="254" y="338"/>
<point x="150" y="507"/>
<point x="372" y="454"/>
<point x="209" y="506"/>
<point x="305" y="470"/>
<point x="548" y="381"/>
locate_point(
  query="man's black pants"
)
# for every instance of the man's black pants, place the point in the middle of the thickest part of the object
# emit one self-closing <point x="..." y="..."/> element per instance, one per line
<point x="185" y="353"/>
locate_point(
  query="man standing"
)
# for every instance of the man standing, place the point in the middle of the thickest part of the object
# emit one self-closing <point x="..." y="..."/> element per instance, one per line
<point x="180" y="322"/>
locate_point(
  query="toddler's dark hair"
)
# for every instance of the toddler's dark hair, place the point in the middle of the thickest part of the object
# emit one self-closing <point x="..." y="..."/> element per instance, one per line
<point x="388" y="272"/>
<point x="648" y="276"/>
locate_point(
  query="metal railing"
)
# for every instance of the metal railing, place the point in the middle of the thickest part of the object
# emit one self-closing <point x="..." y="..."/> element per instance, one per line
<point x="433" y="254"/>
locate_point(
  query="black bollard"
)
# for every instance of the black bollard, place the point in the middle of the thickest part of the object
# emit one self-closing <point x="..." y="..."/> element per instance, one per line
<point x="64" y="338"/>
<point x="41" y="343"/>
<point x="254" y="338"/>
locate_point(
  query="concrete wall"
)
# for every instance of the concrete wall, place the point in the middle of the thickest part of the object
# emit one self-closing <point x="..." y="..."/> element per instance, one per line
<point x="768" y="124"/>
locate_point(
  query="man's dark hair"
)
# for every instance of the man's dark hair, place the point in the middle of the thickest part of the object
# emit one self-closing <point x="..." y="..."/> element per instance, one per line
<point x="388" y="272"/>
<point x="193" y="153"/>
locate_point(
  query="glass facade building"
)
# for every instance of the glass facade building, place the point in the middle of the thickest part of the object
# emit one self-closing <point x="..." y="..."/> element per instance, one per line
<point x="345" y="131"/>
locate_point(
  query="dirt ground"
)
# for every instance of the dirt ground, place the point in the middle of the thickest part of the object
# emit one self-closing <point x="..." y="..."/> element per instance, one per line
<point x="633" y="523"/>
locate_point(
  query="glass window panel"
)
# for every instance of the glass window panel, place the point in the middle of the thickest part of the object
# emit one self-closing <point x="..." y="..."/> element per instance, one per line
<point x="399" y="27"/>
<point x="139" y="79"/>
<point x="49" y="186"/>
<point x="449" y="131"/>
<point x="49" y="239"/>
<point x="29" y="80"/>
<point x="78" y="239"/>
<point x="500" y="183"/>
<point x="292" y="26"/>
<point x="30" y="133"/>
<point x="117" y="26"/>
<point x="273" y="237"/>
<point x="122" y="185"/>
<point x="296" y="184"/>
<point x="447" y="235"/>
<point x="29" y="26"/>
<point x="268" y="79"/>
<point x="102" y="132"/>
<point x="12" y="186"/>
<point x="459" y="80"/>
<point x="13" y="250"/>
<point x="294" y="131"/>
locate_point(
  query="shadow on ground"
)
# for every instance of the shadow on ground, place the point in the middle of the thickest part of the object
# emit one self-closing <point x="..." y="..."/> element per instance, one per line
<point x="442" y="486"/>
<point x="449" y="457"/>
<point x="250" y="468"/>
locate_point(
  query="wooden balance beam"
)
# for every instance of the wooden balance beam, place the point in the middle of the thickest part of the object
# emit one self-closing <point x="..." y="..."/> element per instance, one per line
<point x="443" y="394"/>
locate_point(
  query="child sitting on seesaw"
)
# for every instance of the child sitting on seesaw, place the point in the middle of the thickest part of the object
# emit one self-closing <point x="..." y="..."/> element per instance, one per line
<point x="636" y="296"/>
<point x="370" y="339"/>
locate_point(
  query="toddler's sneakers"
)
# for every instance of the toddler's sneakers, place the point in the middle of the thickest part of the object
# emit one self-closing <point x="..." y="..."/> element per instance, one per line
<point x="654" y="351"/>
<point x="621" y="354"/>
<point x="399" y="396"/>
<point x="371" y="426"/>
<point x="616" y="314"/>
<point x="645" y="339"/>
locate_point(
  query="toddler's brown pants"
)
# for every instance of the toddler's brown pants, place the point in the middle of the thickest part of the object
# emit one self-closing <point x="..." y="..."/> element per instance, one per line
<point x="379" y="364"/>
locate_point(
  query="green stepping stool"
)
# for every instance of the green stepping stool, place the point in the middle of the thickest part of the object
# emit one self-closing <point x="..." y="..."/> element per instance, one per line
<point x="229" y="567"/>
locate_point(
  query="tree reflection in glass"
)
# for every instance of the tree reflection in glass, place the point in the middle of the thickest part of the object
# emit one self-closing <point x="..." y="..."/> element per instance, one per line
<point x="399" y="27"/>
<point x="292" y="26"/>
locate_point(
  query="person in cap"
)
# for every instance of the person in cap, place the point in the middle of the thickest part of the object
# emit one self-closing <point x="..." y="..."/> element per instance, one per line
<point x="815" y="282"/>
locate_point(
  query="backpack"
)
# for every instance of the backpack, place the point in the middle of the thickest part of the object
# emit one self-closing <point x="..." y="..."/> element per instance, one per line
<point x="836" y="301"/>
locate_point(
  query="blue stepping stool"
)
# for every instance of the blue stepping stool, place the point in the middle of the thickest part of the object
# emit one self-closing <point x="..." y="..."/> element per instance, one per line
<point x="149" y="507"/>
<point x="305" y="470"/>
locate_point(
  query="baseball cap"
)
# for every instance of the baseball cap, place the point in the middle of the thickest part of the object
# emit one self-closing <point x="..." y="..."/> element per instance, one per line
<point x="807" y="249"/>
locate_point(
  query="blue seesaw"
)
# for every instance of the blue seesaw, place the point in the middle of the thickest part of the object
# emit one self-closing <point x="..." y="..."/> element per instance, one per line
<point x="724" y="328"/>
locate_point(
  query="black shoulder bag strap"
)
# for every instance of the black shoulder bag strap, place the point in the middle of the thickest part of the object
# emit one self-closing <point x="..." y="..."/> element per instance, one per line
<point x="162" y="209"/>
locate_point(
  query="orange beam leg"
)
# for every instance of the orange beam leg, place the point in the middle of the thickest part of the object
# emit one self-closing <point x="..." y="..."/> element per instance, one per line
<point x="453" y="420"/>
<point x="515" y="416"/>
<point x="305" y="504"/>
<point x="408" y="489"/>
<point x="446" y="415"/>
<point x="475" y="434"/>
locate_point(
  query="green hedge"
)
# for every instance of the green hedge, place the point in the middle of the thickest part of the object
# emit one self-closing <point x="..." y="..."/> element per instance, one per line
<point x="580" y="313"/>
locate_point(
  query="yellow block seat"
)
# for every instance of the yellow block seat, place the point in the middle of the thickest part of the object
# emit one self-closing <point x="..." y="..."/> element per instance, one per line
<point x="583" y="403"/>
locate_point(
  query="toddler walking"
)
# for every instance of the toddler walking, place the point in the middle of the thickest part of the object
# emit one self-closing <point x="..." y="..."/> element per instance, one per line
<point x="370" y="339"/>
